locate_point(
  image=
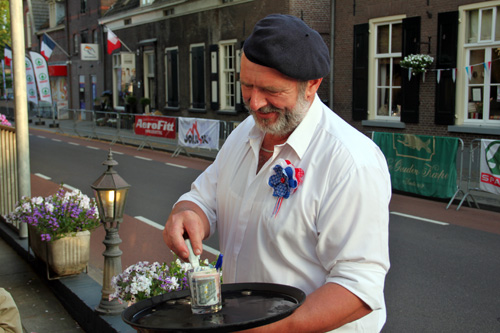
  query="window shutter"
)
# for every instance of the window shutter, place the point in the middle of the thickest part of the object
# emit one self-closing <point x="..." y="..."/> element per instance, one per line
<point x="446" y="59"/>
<point x="411" y="93"/>
<point x="360" y="73"/>
<point x="214" y="77"/>
<point x="172" y="78"/>
<point x="197" y="75"/>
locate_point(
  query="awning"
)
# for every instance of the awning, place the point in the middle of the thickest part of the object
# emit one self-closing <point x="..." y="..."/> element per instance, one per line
<point x="58" y="70"/>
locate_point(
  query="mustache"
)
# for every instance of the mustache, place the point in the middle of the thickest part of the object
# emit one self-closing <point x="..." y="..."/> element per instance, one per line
<point x="265" y="109"/>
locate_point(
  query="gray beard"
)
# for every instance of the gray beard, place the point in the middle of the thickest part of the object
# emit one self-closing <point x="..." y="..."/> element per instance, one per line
<point x="287" y="121"/>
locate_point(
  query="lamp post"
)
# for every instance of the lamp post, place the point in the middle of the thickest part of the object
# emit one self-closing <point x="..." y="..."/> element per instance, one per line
<point x="110" y="191"/>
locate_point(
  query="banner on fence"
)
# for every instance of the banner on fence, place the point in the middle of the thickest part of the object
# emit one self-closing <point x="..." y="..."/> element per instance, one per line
<point x="421" y="164"/>
<point x="490" y="166"/>
<point x="163" y="127"/>
<point x="199" y="133"/>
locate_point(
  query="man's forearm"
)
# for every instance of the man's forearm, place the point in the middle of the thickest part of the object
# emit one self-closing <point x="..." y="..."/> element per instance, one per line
<point x="327" y="308"/>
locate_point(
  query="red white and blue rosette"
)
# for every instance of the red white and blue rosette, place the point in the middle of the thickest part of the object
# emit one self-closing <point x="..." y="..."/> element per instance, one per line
<point x="284" y="182"/>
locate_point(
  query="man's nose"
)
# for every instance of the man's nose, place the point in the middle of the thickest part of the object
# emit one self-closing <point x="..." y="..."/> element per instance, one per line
<point x="256" y="99"/>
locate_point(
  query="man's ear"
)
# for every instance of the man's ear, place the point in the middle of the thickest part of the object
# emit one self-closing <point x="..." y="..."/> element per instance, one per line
<point x="312" y="87"/>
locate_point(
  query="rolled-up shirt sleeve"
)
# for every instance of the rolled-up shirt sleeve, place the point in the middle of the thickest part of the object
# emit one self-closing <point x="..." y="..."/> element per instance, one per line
<point x="353" y="246"/>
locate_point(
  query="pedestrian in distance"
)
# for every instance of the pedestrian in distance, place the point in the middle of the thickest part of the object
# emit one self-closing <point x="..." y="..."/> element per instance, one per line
<point x="298" y="196"/>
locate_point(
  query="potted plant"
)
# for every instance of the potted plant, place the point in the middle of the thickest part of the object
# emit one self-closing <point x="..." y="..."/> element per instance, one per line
<point x="417" y="63"/>
<point x="145" y="102"/>
<point x="59" y="228"/>
<point x="130" y="103"/>
<point x="144" y="280"/>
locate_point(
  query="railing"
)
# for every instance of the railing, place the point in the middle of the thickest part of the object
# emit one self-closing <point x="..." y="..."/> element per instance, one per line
<point x="8" y="170"/>
<point x="119" y="127"/>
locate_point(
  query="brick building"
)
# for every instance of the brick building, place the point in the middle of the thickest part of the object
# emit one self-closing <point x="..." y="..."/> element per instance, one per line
<point x="460" y="93"/>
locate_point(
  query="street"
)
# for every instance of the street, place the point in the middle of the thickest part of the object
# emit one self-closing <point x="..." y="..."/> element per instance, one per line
<point x="443" y="277"/>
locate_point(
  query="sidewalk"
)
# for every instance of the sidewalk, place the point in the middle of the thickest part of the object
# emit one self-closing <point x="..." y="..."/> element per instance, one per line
<point x="47" y="306"/>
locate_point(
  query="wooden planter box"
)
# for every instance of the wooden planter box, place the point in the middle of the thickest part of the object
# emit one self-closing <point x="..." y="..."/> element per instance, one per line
<point x="66" y="256"/>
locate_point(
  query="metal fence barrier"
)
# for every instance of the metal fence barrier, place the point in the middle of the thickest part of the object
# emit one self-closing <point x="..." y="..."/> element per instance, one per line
<point x="119" y="127"/>
<point x="473" y="173"/>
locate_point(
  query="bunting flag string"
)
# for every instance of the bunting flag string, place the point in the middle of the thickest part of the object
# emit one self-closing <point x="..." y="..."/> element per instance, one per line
<point x="468" y="70"/>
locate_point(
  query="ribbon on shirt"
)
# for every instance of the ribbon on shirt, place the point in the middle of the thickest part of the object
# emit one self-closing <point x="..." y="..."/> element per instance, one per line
<point x="284" y="182"/>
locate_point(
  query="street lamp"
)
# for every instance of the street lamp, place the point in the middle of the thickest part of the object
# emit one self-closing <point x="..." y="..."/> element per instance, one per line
<point x="110" y="191"/>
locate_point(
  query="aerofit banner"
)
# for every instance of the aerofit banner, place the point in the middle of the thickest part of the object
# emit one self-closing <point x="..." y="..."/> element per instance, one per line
<point x="163" y="127"/>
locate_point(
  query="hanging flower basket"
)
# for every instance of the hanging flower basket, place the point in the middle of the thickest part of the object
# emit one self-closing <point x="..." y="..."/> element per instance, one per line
<point x="417" y="63"/>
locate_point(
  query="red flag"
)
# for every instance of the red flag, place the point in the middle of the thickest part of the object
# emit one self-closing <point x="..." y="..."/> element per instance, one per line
<point x="7" y="51"/>
<point x="113" y="42"/>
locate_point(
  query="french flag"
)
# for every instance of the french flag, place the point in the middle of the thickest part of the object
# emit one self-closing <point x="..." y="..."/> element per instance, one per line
<point x="7" y="55"/>
<point x="47" y="46"/>
<point x="113" y="42"/>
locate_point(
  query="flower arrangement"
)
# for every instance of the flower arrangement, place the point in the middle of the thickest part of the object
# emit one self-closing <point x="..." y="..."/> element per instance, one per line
<point x="284" y="182"/>
<point x="4" y="121"/>
<point x="144" y="280"/>
<point x="58" y="215"/>
<point x="418" y="63"/>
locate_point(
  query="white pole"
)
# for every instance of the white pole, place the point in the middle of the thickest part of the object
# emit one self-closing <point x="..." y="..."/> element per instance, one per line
<point x="20" y="105"/>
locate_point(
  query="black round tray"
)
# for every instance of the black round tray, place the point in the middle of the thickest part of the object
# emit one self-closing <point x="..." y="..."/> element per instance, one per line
<point x="244" y="305"/>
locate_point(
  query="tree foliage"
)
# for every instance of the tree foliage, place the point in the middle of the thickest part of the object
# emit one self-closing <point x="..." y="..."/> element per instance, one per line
<point x="5" y="37"/>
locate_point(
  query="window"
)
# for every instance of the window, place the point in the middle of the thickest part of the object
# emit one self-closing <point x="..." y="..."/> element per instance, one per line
<point x="172" y="77"/>
<point x="76" y="44"/>
<point x="146" y="2"/>
<point x="387" y="70"/>
<point x="123" y="77"/>
<point x="56" y="13"/>
<point x="228" y="76"/>
<point x="197" y="69"/>
<point x="482" y="63"/>
<point x="83" y="6"/>
<point x="149" y="77"/>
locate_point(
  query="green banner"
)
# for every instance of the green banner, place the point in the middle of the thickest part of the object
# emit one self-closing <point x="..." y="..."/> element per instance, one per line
<point x="421" y="164"/>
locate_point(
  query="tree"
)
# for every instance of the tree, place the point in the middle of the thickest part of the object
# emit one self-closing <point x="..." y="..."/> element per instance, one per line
<point x="5" y="37"/>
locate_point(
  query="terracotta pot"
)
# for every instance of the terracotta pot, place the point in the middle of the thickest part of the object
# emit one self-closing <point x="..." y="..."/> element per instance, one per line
<point x="65" y="256"/>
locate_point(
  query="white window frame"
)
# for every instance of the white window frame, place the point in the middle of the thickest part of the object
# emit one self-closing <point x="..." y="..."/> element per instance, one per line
<point x="373" y="67"/>
<point x="225" y="73"/>
<point x="467" y="106"/>
<point x="117" y="77"/>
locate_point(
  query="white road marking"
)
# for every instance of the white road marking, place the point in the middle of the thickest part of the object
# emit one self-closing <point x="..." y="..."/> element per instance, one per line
<point x="74" y="143"/>
<point x="95" y="148"/>
<point x="41" y="137"/>
<point x="69" y="187"/>
<point x="56" y="140"/>
<point x="143" y="158"/>
<point x="160" y="227"/>
<point x="177" y="165"/>
<point x="116" y="152"/>
<point x="42" y="176"/>
<point x="420" y="218"/>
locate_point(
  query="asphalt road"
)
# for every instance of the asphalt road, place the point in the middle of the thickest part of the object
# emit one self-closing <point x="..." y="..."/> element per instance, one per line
<point x="443" y="278"/>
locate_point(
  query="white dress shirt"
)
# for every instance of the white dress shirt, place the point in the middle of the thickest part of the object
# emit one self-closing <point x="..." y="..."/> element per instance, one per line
<point x="334" y="228"/>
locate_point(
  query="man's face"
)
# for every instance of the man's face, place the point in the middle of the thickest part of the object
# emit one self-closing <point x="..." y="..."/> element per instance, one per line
<point x="273" y="99"/>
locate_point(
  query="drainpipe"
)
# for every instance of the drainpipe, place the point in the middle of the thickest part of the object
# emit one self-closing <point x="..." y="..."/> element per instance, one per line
<point x="20" y="105"/>
<point x="332" y="48"/>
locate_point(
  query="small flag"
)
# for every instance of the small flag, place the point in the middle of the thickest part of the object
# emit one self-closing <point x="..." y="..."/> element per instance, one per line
<point x="454" y="74"/>
<point x="113" y="42"/>
<point x="47" y="46"/>
<point x="7" y="54"/>
<point x="468" y="70"/>
<point x="438" y="76"/>
<point x="409" y="73"/>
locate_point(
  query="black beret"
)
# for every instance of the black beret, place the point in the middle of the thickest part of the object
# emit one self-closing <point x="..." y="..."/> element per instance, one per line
<point x="287" y="44"/>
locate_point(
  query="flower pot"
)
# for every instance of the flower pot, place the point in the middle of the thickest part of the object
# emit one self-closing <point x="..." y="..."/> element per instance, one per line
<point x="65" y="256"/>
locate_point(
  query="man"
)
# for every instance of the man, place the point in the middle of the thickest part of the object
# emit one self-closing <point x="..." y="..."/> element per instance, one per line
<point x="322" y="225"/>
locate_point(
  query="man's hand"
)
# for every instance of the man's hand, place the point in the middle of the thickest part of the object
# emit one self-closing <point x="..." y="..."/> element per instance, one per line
<point x="187" y="220"/>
